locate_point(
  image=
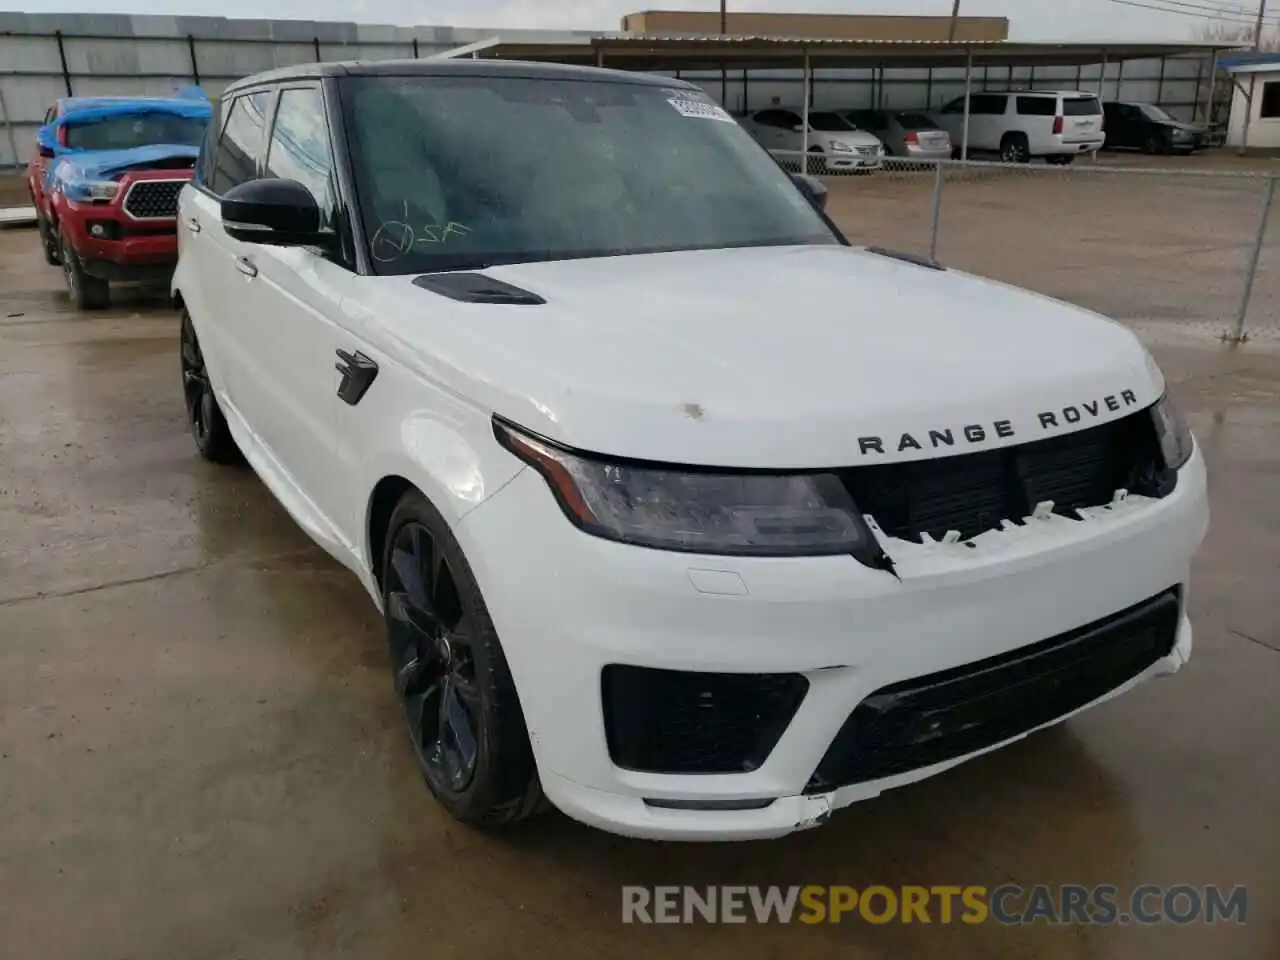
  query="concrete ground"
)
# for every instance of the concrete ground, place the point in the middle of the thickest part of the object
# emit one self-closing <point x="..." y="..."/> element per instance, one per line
<point x="201" y="756"/>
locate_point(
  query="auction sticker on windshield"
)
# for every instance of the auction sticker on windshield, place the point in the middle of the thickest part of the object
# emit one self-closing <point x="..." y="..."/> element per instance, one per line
<point x="688" y="107"/>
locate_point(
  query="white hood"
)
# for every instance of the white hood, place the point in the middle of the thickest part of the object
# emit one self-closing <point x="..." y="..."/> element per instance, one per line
<point x="852" y="138"/>
<point x="771" y="357"/>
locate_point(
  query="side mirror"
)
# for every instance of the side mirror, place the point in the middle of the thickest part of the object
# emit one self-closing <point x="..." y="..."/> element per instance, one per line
<point x="281" y="213"/>
<point x="44" y="150"/>
<point x="813" y="188"/>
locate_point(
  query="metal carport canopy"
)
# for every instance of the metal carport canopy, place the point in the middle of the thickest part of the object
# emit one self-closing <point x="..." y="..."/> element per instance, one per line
<point x="645" y="52"/>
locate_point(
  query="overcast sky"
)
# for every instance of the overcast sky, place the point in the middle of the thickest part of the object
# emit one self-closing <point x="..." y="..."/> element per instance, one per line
<point x="1030" y="19"/>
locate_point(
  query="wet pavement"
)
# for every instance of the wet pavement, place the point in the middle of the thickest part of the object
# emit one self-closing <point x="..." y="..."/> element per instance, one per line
<point x="201" y="757"/>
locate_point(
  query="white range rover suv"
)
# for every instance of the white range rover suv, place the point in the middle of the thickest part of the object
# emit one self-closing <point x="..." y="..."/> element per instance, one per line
<point x="655" y="541"/>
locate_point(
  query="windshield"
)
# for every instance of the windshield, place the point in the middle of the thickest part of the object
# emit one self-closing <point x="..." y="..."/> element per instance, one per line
<point x="1155" y="113"/>
<point x="126" y="131"/>
<point x="829" y="122"/>
<point x="458" y="172"/>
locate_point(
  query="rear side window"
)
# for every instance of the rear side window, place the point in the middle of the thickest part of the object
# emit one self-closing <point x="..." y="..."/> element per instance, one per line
<point x="916" y="121"/>
<point x="1081" y="106"/>
<point x="989" y="104"/>
<point x="1037" y="106"/>
<point x="241" y="141"/>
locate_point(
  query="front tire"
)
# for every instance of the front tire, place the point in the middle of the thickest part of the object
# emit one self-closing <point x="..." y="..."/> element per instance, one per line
<point x="208" y="427"/>
<point x="48" y="240"/>
<point x="464" y="717"/>
<point x="86" y="292"/>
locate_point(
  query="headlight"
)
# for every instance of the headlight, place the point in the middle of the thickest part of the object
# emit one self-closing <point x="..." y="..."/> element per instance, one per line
<point x="700" y="510"/>
<point x="1176" y="442"/>
<point x="838" y="147"/>
<point x="101" y="189"/>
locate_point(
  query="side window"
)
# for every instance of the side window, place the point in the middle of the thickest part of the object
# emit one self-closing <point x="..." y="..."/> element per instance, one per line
<point x="767" y="118"/>
<point x="241" y="140"/>
<point x="789" y="120"/>
<point x="299" y="147"/>
<point x="955" y="106"/>
<point x="1037" y="106"/>
<point x="990" y="104"/>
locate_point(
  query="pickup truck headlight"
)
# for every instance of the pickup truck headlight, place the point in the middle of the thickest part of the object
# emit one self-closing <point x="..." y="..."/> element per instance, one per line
<point x="1176" y="443"/>
<point x="699" y="510"/>
<point x="101" y="189"/>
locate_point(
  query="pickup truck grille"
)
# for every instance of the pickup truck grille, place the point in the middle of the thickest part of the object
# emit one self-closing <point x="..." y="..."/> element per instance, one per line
<point x="153" y="199"/>
<point x="975" y="492"/>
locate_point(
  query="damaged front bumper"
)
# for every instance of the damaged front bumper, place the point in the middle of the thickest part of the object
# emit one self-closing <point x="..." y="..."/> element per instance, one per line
<point x="569" y="607"/>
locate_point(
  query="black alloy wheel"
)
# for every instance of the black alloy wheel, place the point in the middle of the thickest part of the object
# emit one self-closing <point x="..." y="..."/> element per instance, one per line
<point x="204" y="416"/>
<point x="433" y="660"/>
<point x="459" y="699"/>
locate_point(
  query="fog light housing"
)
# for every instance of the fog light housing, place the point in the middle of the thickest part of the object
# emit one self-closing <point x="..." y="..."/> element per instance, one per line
<point x="98" y="230"/>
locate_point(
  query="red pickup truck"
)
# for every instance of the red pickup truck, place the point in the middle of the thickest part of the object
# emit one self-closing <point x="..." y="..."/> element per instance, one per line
<point x="105" y="182"/>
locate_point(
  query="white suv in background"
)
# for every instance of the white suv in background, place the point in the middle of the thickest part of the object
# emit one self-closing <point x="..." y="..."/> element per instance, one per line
<point x="1021" y="124"/>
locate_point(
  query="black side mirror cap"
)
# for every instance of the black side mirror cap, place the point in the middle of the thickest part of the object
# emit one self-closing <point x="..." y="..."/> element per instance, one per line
<point x="281" y="213"/>
<point x="813" y="188"/>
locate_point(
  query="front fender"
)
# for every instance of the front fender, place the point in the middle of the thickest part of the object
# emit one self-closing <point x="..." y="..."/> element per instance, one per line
<point x="451" y="456"/>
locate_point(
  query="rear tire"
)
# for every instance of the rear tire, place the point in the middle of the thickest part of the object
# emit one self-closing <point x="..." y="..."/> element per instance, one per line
<point x="86" y="292"/>
<point x="1015" y="148"/>
<point x="208" y="427"/>
<point x="465" y="721"/>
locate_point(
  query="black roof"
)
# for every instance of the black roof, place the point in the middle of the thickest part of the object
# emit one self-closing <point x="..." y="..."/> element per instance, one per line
<point x="518" y="69"/>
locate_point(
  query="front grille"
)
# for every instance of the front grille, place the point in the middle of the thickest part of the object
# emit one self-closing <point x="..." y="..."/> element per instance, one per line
<point x="952" y="713"/>
<point x="974" y="492"/>
<point x="671" y="721"/>
<point x="153" y="199"/>
<point x="867" y="151"/>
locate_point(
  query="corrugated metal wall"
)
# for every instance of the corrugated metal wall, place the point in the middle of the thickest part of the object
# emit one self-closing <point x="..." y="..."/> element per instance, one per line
<point x="43" y="57"/>
<point x="47" y="56"/>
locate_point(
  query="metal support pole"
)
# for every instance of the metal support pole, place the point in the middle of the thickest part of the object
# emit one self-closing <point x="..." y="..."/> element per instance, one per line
<point x="599" y="56"/>
<point x="937" y="211"/>
<point x="13" y="143"/>
<point x="1253" y="79"/>
<point x="415" y="48"/>
<point x="928" y="88"/>
<point x="724" y="70"/>
<point x="804" y="121"/>
<point x="968" y="91"/>
<point x="1259" y="236"/>
<point x="1102" y="76"/>
<point x="195" y="66"/>
<point x="62" y="56"/>
<point x="955" y="16"/>
<point x="1160" y="84"/>
<point x="315" y="42"/>
<point x="1213" y="88"/>
<point x="745" y="108"/>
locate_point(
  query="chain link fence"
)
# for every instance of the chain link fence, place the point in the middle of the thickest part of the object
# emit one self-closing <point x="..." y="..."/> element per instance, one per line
<point x="1171" y="252"/>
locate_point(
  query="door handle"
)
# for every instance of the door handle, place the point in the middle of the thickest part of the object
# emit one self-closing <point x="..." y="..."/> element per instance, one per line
<point x="245" y="266"/>
<point x="193" y="224"/>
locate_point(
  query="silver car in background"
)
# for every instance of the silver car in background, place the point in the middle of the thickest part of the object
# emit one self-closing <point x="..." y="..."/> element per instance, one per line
<point x="904" y="133"/>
